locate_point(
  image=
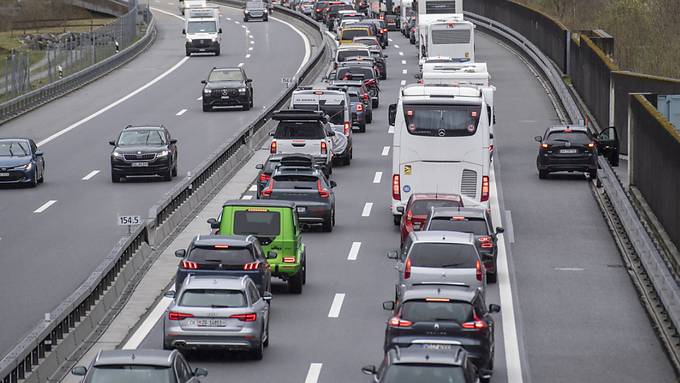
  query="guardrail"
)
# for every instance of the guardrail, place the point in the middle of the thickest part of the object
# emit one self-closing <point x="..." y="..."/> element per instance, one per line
<point x="640" y="245"/>
<point x="46" y="351"/>
<point x="33" y="99"/>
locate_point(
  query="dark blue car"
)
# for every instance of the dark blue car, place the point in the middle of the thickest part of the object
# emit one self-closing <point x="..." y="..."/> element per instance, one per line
<point x="21" y="163"/>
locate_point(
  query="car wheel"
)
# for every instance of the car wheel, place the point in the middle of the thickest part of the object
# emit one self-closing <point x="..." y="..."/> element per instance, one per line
<point x="397" y="220"/>
<point x="369" y="117"/>
<point x="34" y="181"/>
<point x="542" y="174"/>
<point x="258" y="352"/>
<point x="251" y="101"/>
<point x="188" y="53"/>
<point x="375" y="102"/>
<point x="174" y="171"/>
<point x="266" y="341"/>
<point x="245" y="19"/>
<point x="304" y="268"/>
<point x="217" y="52"/>
<point x="168" y="175"/>
<point x="327" y="225"/>
<point x="115" y="178"/>
<point x="362" y="128"/>
<point x="491" y="277"/>
<point x="593" y="175"/>
<point x="42" y="176"/>
<point x="207" y="108"/>
<point x="295" y="283"/>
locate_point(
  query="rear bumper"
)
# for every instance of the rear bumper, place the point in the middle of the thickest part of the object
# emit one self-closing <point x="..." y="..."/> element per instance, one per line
<point x="314" y="214"/>
<point x="555" y="164"/>
<point x="478" y="351"/>
<point x="245" y="339"/>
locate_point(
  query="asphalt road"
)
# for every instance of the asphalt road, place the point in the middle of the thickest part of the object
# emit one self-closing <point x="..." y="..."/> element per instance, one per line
<point x="577" y="316"/>
<point x="45" y="256"/>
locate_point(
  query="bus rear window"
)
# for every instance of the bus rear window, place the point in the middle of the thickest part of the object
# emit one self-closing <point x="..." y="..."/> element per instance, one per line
<point x="442" y="120"/>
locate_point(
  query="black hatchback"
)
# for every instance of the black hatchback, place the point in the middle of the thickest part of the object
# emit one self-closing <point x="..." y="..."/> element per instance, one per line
<point x="227" y="87"/>
<point x="573" y="149"/>
<point x="144" y="151"/>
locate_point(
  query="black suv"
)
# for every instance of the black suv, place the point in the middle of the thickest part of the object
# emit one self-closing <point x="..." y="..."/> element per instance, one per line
<point x="144" y="151"/>
<point x="266" y="169"/>
<point x="428" y="363"/>
<point x="227" y="87"/>
<point x="444" y="316"/>
<point x="469" y="220"/>
<point x="228" y="255"/>
<point x="255" y="10"/>
<point x="573" y="148"/>
<point x="365" y="71"/>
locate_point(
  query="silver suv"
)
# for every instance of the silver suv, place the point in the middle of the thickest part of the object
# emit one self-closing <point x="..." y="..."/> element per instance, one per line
<point x="218" y="312"/>
<point x="438" y="257"/>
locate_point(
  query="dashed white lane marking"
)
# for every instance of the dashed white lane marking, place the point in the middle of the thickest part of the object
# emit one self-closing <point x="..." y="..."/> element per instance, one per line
<point x="313" y="373"/>
<point x="386" y="149"/>
<point x="390" y="40"/>
<point x="237" y="22"/>
<point x="243" y="26"/>
<point x="354" y="251"/>
<point x="229" y="18"/>
<point x="252" y="42"/>
<point x="247" y="197"/>
<point x="404" y="71"/>
<point x="568" y="269"/>
<point x="396" y="46"/>
<point x="403" y="82"/>
<point x="181" y="112"/>
<point x="367" y="209"/>
<point x="509" y="229"/>
<point x="401" y="53"/>
<point x="336" y="306"/>
<point x="240" y="65"/>
<point x="252" y="188"/>
<point x="200" y="98"/>
<point x="248" y="56"/>
<point x="250" y="49"/>
<point x="403" y="62"/>
<point x="390" y="130"/>
<point x="45" y="206"/>
<point x="90" y="175"/>
<point x="377" y="177"/>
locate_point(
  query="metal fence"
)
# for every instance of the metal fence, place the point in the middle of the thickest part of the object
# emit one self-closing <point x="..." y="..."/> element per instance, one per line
<point x="57" y="56"/>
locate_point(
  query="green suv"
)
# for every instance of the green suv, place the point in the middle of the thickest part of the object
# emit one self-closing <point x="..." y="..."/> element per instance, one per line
<point x="276" y="226"/>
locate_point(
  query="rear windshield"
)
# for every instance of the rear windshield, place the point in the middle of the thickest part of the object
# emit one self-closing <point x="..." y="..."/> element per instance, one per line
<point x="442" y="120"/>
<point x="422" y="207"/>
<point x="366" y="71"/>
<point x="231" y="256"/>
<point x="424" y="311"/>
<point x="443" y="255"/>
<point x="299" y="130"/>
<point x="580" y="138"/>
<point x="349" y="34"/>
<point x="476" y="226"/>
<point x="257" y="222"/>
<point x="342" y="55"/>
<point x="295" y="181"/>
<point x="430" y="373"/>
<point x="131" y="374"/>
<point x="212" y="298"/>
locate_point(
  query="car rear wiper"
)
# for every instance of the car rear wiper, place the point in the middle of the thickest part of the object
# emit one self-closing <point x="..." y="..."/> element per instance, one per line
<point x="219" y="306"/>
<point x="214" y="260"/>
<point x="451" y="265"/>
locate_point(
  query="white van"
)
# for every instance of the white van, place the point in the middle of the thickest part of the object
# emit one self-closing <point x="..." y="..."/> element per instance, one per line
<point x="185" y="5"/>
<point x="202" y="31"/>
<point x="440" y="144"/>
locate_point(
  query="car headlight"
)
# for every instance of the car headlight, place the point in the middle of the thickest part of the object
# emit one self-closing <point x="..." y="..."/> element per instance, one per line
<point x="27" y="166"/>
<point x="116" y="155"/>
<point x="188" y="39"/>
<point x="242" y="90"/>
<point x="206" y="91"/>
<point x="162" y="154"/>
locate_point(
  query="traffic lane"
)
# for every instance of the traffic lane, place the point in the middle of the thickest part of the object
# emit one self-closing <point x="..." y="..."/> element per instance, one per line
<point x="576" y="303"/>
<point x="91" y="223"/>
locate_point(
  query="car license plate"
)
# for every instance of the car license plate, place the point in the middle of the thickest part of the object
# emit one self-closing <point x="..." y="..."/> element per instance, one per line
<point x="4" y="174"/>
<point x="207" y="322"/>
<point x="568" y="151"/>
<point x="225" y="97"/>
<point x="301" y="209"/>
<point x="140" y="164"/>
<point x="437" y="346"/>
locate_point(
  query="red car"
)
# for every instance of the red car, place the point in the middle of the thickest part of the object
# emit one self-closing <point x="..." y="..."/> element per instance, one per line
<point x="418" y="206"/>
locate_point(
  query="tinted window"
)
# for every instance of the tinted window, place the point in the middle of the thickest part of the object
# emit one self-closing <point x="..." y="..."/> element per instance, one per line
<point x="210" y="298"/>
<point x="299" y="130"/>
<point x="412" y="373"/>
<point x="451" y="36"/>
<point x="476" y="226"/>
<point x="349" y="34"/>
<point x="231" y="256"/>
<point x="366" y="71"/>
<point x="443" y="255"/>
<point x="424" y="311"/>
<point x="257" y="222"/>
<point x="201" y="27"/>
<point x="442" y="120"/>
<point x="295" y="181"/>
<point x="225" y="75"/>
<point x="580" y="138"/>
<point x="342" y="55"/>
<point x="422" y="207"/>
<point x="141" y="137"/>
<point x="12" y="148"/>
<point x="130" y="374"/>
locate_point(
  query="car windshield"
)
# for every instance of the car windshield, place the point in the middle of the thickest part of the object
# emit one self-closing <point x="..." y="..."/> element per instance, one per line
<point x="347" y="72"/>
<point x="345" y="53"/>
<point x="295" y="181"/>
<point x="422" y="310"/>
<point x="416" y="373"/>
<point x="580" y="138"/>
<point x="225" y="75"/>
<point x="255" y="4"/>
<point x="201" y="27"/>
<point x="212" y="298"/>
<point x="299" y="130"/>
<point x="476" y="226"/>
<point x="422" y="207"/>
<point x="141" y="137"/>
<point x="130" y="374"/>
<point x="257" y="222"/>
<point x="443" y="255"/>
<point x="441" y="120"/>
<point x="14" y="148"/>
<point x="230" y="256"/>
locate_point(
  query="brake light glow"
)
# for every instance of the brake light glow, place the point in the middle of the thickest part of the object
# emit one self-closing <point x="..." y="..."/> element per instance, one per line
<point x="189" y="265"/>
<point x="273" y="147"/>
<point x="360" y="108"/>
<point x="407" y="269"/>
<point x="398" y="322"/>
<point x="486" y="245"/>
<point x="324" y="147"/>
<point x="174" y="315"/>
<point x="323" y="192"/>
<point x="485" y="188"/>
<point x="476" y="324"/>
<point x="264" y="177"/>
<point x="251" y="266"/>
<point x="365" y="96"/>
<point x="396" y="187"/>
<point x="478" y="267"/>
<point x="384" y="30"/>
<point x="258" y="209"/>
<point x="346" y="128"/>
<point x="484" y="238"/>
<point x="267" y="192"/>
<point x="250" y="317"/>
<point x="409" y="113"/>
<point x="457" y="218"/>
<point x="437" y="300"/>
<point x="409" y="217"/>
<point x="288" y="259"/>
<point x="221" y="246"/>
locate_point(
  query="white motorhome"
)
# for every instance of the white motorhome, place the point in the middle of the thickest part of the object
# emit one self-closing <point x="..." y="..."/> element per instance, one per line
<point x="202" y="31"/>
<point x="440" y="144"/>
<point x="185" y="5"/>
<point x="450" y="36"/>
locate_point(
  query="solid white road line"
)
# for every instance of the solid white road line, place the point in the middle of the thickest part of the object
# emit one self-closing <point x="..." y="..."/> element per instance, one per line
<point x="313" y="373"/>
<point x="138" y="337"/>
<point x="510" y="341"/>
<point x="247" y="197"/>
<point x="181" y="112"/>
<point x="112" y="105"/>
<point x="509" y="229"/>
<point x="354" y="251"/>
<point x="568" y="269"/>
<point x="390" y="130"/>
<point x="167" y="13"/>
<point x="403" y="62"/>
<point x="252" y="188"/>
<point x="404" y="71"/>
<point x="367" y="209"/>
<point x="386" y="149"/>
<point x="377" y="177"/>
<point x="45" y="206"/>
<point x="336" y="306"/>
<point x="90" y="175"/>
<point x="308" y="46"/>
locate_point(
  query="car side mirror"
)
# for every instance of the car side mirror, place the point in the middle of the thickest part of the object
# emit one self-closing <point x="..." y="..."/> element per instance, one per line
<point x="259" y="166"/>
<point x="267" y="296"/>
<point x="369" y="370"/>
<point x="400" y="209"/>
<point x="214" y="224"/>
<point x="79" y="370"/>
<point x="393" y="254"/>
<point x="499" y="230"/>
<point x="333" y="184"/>
<point x="203" y="82"/>
<point x="249" y="80"/>
<point x="388" y="305"/>
<point x="493" y="308"/>
<point x="220" y="30"/>
<point x="39" y="153"/>
<point x="200" y="372"/>
<point x="184" y="31"/>
<point x="169" y="294"/>
<point x="392" y="114"/>
<point x="272" y="255"/>
<point x="538" y="139"/>
<point x="181" y="253"/>
<point x="112" y="143"/>
<point x="173" y="141"/>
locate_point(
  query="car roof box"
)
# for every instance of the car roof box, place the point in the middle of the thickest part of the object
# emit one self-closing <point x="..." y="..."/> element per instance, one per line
<point x="297" y="160"/>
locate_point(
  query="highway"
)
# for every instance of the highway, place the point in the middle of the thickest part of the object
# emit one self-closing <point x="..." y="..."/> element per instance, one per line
<point x="47" y="254"/>
<point x="570" y="312"/>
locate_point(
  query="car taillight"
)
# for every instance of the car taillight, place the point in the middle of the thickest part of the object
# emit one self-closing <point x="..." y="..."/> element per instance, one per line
<point x="318" y="10"/>
<point x="365" y="96"/>
<point x="324" y="147"/>
<point x="360" y="108"/>
<point x="475" y="325"/>
<point x="251" y="266"/>
<point x="396" y="187"/>
<point x="323" y="192"/>
<point x="264" y="177"/>
<point x="487" y="245"/>
<point x="398" y="322"/>
<point x="267" y="192"/>
<point x="251" y="317"/>
<point x="174" y="315"/>
<point x="407" y="269"/>
<point x="409" y="217"/>
<point x="346" y="128"/>
<point x="478" y="267"/>
<point x="383" y="30"/>
<point x="189" y="265"/>
<point x="288" y="259"/>
<point x="485" y="188"/>
<point x="413" y="29"/>
<point x="273" y="147"/>
<point x="484" y="238"/>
